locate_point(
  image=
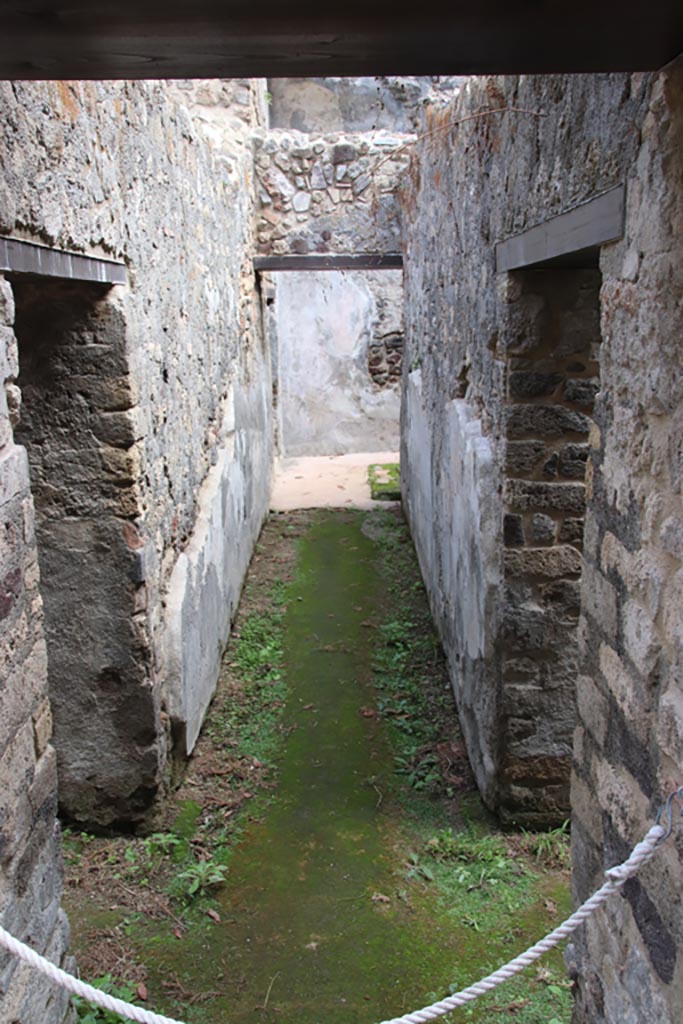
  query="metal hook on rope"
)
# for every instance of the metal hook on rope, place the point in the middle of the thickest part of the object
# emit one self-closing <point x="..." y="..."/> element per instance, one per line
<point x="666" y="812"/>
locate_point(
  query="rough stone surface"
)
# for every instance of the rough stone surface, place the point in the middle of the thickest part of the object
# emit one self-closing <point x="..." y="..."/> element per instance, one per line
<point x="328" y="193"/>
<point x="127" y="399"/>
<point x="30" y="859"/>
<point x="499" y="342"/>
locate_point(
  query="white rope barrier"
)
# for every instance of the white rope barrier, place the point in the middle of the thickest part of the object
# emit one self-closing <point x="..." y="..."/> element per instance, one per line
<point x="616" y="877"/>
<point x="79" y="988"/>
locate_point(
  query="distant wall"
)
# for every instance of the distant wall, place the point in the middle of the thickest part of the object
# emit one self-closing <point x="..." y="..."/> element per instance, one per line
<point x="339" y="337"/>
<point x="355" y="104"/>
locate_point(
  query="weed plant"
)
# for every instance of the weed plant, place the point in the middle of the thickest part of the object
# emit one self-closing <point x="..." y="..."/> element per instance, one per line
<point x="86" y="1013"/>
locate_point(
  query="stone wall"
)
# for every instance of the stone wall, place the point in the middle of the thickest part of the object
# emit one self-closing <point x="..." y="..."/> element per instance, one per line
<point x="328" y="193"/>
<point x="30" y="858"/>
<point x="478" y="446"/>
<point x="628" y="748"/>
<point x="147" y="412"/>
<point x="339" y="336"/>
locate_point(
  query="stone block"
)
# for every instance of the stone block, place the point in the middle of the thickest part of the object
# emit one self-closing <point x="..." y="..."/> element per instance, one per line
<point x="525" y="384"/>
<point x="543" y="562"/>
<point x="42" y="722"/>
<point x="625" y="689"/>
<point x="115" y="428"/>
<point x="524" y="670"/>
<point x="343" y="153"/>
<point x="44" y="786"/>
<point x="582" y="391"/>
<point x="14" y="478"/>
<point x="513" y="532"/>
<point x="543" y="529"/>
<point x="6" y="303"/>
<point x="522" y="458"/>
<point x="599" y="602"/>
<point x="571" y="531"/>
<point x="592" y="707"/>
<point x="641" y="642"/>
<point x="564" y="594"/>
<point x="538" y="496"/>
<point x="572" y="461"/>
<point x="9" y="354"/>
<point x="301" y="202"/>
<point x="670" y="722"/>
<point x="543" y="421"/>
<point x="643" y="578"/>
<point x="17" y="767"/>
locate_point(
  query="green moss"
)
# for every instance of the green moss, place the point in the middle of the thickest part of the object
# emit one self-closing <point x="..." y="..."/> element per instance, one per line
<point x="355" y="893"/>
<point x="385" y="481"/>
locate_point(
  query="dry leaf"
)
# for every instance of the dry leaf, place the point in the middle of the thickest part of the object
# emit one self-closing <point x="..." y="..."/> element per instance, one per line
<point x="214" y="915"/>
<point x="141" y="991"/>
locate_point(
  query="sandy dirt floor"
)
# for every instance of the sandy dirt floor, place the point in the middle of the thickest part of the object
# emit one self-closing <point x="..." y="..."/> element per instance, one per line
<point x="326" y="481"/>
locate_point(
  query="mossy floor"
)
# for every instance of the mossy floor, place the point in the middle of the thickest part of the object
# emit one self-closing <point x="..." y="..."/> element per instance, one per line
<point x="355" y="875"/>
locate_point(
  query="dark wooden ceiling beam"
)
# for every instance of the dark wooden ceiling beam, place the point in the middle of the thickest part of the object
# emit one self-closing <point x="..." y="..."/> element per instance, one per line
<point x="331" y="261"/>
<point x="99" y="39"/>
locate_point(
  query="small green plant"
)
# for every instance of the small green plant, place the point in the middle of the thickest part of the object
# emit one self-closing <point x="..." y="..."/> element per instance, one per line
<point x="74" y="844"/>
<point x="198" y="878"/>
<point x="159" y="845"/>
<point x="551" y="847"/>
<point x="416" y="869"/>
<point x="86" y="1013"/>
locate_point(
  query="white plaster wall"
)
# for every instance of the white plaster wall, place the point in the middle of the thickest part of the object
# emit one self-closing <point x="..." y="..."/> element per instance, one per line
<point x="451" y="499"/>
<point x="324" y="323"/>
<point x="206" y="581"/>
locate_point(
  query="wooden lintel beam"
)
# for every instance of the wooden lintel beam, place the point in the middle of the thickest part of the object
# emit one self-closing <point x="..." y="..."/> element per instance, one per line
<point x="583" y="228"/>
<point x="20" y="257"/>
<point x="331" y="261"/>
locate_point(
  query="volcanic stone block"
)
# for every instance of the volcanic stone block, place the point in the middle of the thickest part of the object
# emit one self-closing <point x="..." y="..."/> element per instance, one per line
<point x="550" y="562"/>
<point x="533" y="496"/>
<point x="544" y="421"/>
<point x="523" y="457"/>
<point x="530" y="384"/>
<point x="543" y="529"/>
<point x="513" y="532"/>
<point x="582" y="392"/>
<point x="572" y="460"/>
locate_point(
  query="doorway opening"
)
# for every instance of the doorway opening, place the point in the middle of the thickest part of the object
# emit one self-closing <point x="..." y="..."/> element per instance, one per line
<point x="552" y="354"/>
<point x="77" y="426"/>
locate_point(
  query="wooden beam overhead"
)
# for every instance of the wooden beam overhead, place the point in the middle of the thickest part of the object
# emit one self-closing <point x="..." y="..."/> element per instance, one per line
<point x="19" y="257"/>
<point x="580" y="230"/>
<point x="129" y="39"/>
<point x="331" y="261"/>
